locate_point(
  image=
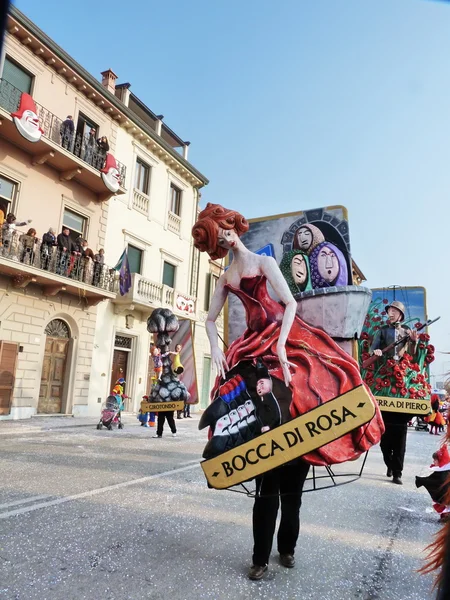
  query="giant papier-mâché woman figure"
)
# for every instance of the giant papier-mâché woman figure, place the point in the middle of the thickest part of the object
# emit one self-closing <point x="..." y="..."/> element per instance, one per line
<point x="306" y="366"/>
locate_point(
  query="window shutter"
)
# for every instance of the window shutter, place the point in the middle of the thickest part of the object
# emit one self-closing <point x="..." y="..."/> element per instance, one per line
<point x="17" y="76"/>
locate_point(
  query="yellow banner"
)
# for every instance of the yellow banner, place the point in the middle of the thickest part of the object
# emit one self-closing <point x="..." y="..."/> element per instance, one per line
<point x="161" y="406"/>
<point x="306" y="433"/>
<point x="404" y="405"/>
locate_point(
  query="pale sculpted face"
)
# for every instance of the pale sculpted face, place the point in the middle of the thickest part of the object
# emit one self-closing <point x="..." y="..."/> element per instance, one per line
<point x="249" y="406"/>
<point x="28" y="126"/>
<point x="242" y="412"/>
<point x="222" y="424"/>
<point x="234" y="416"/>
<point x="328" y="264"/>
<point x="304" y="238"/>
<point x="227" y="238"/>
<point x="263" y="386"/>
<point x="394" y="314"/>
<point x="111" y="179"/>
<point x="298" y="269"/>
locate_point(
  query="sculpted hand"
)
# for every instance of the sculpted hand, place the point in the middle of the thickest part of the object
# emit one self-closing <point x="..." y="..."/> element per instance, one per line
<point x="285" y="364"/>
<point x="413" y="335"/>
<point x="219" y="361"/>
<point x="378" y="353"/>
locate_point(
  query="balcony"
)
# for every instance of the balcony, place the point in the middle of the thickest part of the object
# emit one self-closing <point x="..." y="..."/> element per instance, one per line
<point x="27" y="261"/>
<point x="141" y="202"/>
<point x="146" y="295"/>
<point x="71" y="155"/>
<point x="173" y="222"/>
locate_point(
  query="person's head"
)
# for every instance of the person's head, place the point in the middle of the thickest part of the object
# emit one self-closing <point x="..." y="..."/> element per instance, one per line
<point x="66" y="231"/>
<point x="395" y="312"/>
<point x="328" y="264"/>
<point x="218" y="230"/>
<point x="84" y="243"/>
<point x="307" y="237"/>
<point x="31" y="232"/>
<point x="263" y="386"/>
<point x="51" y="230"/>
<point x="104" y="139"/>
<point x="101" y="252"/>
<point x="92" y="131"/>
<point x="89" y="253"/>
<point x="70" y="117"/>
<point x="11" y="218"/>
<point x="178" y="348"/>
<point x="156" y="351"/>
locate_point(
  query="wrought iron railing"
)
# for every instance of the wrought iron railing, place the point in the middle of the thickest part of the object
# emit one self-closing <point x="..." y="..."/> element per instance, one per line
<point x="83" y="146"/>
<point x="22" y="248"/>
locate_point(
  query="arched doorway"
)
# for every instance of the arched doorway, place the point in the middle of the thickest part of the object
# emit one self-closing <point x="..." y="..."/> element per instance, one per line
<point x="54" y="367"/>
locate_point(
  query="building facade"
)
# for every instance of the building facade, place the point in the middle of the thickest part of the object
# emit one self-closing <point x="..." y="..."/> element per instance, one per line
<point x="66" y="330"/>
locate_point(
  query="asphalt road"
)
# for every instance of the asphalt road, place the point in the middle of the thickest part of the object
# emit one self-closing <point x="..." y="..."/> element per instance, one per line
<point x="98" y="515"/>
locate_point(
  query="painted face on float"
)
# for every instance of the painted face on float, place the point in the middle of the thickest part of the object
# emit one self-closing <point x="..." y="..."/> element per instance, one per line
<point x="28" y="126"/>
<point x="328" y="264"/>
<point x="242" y="412"/>
<point x="304" y="238"/>
<point x="299" y="269"/>
<point x="227" y="238"/>
<point x="111" y="179"/>
<point x="394" y="315"/>
<point x="222" y="425"/>
<point x="249" y="407"/>
<point x="263" y="386"/>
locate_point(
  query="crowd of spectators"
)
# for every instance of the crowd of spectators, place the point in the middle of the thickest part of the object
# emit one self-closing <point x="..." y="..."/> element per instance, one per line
<point x="62" y="254"/>
<point x="88" y="147"/>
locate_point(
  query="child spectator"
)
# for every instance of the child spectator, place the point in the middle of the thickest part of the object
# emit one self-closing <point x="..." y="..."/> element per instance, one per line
<point x="28" y="241"/>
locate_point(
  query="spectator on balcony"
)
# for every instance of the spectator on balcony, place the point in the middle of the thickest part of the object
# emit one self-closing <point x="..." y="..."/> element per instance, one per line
<point x="65" y="250"/>
<point x="9" y="230"/>
<point x="90" y="147"/>
<point x="87" y="261"/>
<point x="102" y="150"/>
<point x="28" y="241"/>
<point x="99" y="261"/>
<point x="75" y="269"/>
<point x="66" y="131"/>
<point x="47" y="245"/>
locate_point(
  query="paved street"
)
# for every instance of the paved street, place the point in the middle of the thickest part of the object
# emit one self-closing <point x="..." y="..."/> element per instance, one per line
<point x="87" y="514"/>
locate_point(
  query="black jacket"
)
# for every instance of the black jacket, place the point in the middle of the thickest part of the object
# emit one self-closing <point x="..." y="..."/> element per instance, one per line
<point x="64" y="241"/>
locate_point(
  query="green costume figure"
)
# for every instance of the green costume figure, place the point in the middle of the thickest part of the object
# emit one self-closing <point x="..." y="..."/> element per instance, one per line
<point x="295" y="268"/>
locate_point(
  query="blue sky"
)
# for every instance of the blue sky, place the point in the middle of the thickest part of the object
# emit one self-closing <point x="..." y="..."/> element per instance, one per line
<point x="295" y="104"/>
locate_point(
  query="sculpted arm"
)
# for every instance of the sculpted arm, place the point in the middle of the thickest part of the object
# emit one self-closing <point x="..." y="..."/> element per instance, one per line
<point x="277" y="281"/>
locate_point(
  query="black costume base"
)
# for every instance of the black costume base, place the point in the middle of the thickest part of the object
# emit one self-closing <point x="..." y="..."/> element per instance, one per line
<point x="436" y="484"/>
<point x="393" y="441"/>
<point x="162" y="416"/>
<point x="286" y="484"/>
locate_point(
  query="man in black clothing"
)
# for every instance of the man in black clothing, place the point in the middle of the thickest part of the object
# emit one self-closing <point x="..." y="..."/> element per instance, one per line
<point x="393" y="440"/>
<point x="162" y="416"/>
<point x="285" y="485"/>
<point x="66" y="131"/>
<point x="65" y="249"/>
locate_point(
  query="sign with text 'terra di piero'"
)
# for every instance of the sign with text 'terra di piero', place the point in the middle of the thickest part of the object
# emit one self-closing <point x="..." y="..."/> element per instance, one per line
<point x="301" y="435"/>
<point x="404" y="405"/>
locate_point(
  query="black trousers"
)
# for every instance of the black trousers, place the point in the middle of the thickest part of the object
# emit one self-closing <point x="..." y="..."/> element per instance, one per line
<point x="393" y="446"/>
<point x="285" y="484"/>
<point x="162" y="416"/>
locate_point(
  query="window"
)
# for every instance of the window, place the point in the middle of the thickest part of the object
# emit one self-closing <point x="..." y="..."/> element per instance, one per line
<point x="211" y="282"/>
<point x="8" y="191"/>
<point x="134" y="259"/>
<point x="168" y="274"/>
<point x="77" y="224"/>
<point x="175" y="200"/>
<point x="142" y="179"/>
<point x="17" y="76"/>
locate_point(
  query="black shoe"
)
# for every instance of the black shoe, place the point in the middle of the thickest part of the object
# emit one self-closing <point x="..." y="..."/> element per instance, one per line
<point x="389" y="473"/>
<point x="397" y="480"/>
<point x="256" y="572"/>
<point x="287" y="560"/>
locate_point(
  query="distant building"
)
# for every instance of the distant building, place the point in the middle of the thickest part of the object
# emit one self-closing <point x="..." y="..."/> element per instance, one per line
<point x="65" y="329"/>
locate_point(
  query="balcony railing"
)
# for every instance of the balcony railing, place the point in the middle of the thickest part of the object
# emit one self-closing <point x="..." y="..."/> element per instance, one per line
<point x="82" y="146"/>
<point x="173" y="222"/>
<point x="30" y="251"/>
<point x="150" y="294"/>
<point x="141" y="202"/>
